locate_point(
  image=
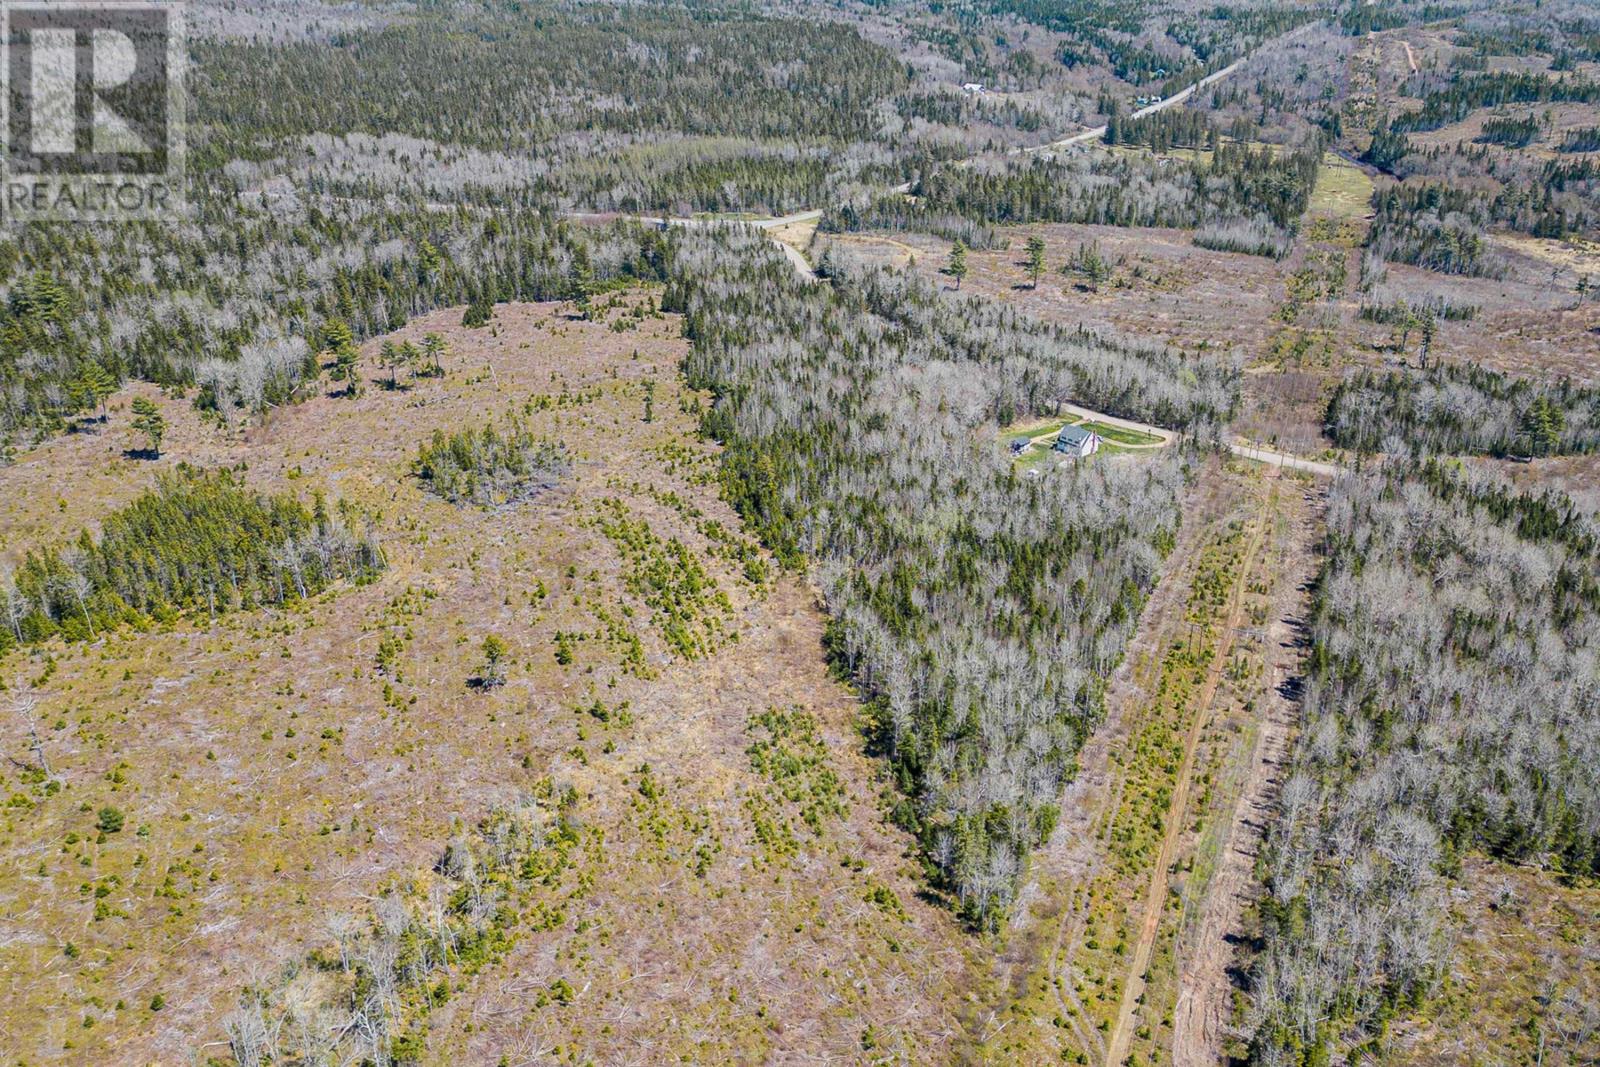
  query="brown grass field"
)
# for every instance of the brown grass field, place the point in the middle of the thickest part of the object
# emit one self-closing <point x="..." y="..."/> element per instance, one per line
<point x="272" y="778"/>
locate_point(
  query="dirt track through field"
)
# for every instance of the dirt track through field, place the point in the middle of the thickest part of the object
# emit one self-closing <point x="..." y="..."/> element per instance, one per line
<point x="1411" y="56"/>
<point x="1204" y="1000"/>
<point x="1046" y="931"/>
<point x="1156" y="894"/>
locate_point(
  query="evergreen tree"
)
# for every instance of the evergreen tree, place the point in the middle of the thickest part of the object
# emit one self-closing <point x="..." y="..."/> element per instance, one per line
<point x="346" y="360"/>
<point x="434" y="347"/>
<point x="957" y="267"/>
<point x="390" y="356"/>
<point x="1428" y="327"/>
<point x="428" y="256"/>
<point x="347" y="369"/>
<point x="336" y="335"/>
<point x="478" y="313"/>
<point x="148" y="421"/>
<point x="493" y="673"/>
<point x="1543" y="422"/>
<point x="1035" y="259"/>
<point x="1089" y="263"/>
<point x="91" y="388"/>
<point x="582" y="283"/>
<point x="411" y="358"/>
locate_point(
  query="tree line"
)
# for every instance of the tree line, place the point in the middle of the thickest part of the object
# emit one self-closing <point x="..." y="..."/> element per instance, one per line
<point x="1463" y="95"/>
<point x="1433" y="225"/>
<point x="1462" y="409"/>
<point x="199" y="541"/>
<point x="242" y="311"/>
<point x="1236" y="186"/>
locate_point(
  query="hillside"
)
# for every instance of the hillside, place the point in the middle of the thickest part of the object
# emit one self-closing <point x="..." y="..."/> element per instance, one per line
<point x="884" y="533"/>
<point x="280" y="770"/>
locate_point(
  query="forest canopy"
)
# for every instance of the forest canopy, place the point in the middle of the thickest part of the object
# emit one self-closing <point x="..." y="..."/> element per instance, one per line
<point x="1463" y="409"/>
<point x="979" y="611"/>
<point x="1449" y="708"/>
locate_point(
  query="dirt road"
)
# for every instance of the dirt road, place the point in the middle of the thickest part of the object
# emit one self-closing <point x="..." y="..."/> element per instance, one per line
<point x="803" y="266"/>
<point x="1285" y="459"/>
<point x="1281" y="460"/>
<point x="1207" y="950"/>
<point x="1040" y="965"/>
<point x="1177" y="811"/>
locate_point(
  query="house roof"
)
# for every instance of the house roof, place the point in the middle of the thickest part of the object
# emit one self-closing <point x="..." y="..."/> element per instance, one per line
<point x="1074" y="435"/>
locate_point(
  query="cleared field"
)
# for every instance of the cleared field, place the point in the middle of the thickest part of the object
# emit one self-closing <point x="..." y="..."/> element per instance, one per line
<point x="1120" y="435"/>
<point x="1163" y="287"/>
<point x="1039" y="437"/>
<point x="278" y="774"/>
<point x="797" y="235"/>
<point x="1342" y="189"/>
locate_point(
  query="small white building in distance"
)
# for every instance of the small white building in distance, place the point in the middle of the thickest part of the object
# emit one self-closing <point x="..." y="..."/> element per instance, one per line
<point x="1077" y="442"/>
<point x="972" y="88"/>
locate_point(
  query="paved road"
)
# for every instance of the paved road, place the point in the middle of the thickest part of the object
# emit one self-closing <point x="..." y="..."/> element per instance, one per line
<point x="803" y="267"/>
<point x="1161" y="105"/>
<point x="785" y="220"/>
<point x="1099" y="132"/>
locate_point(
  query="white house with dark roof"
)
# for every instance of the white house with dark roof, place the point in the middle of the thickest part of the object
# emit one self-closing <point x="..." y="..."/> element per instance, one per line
<point x="1077" y="442"/>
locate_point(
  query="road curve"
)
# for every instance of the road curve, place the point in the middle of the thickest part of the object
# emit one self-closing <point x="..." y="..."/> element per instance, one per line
<point x="1124" y="424"/>
<point x="1242" y="449"/>
<point x="803" y="267"/>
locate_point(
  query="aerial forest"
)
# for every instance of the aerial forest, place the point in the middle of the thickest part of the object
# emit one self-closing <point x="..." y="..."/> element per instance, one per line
<point x="980" y="611"/>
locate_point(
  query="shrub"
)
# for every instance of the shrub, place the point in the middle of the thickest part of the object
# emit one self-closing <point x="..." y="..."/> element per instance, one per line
<point x="490" y="469"/>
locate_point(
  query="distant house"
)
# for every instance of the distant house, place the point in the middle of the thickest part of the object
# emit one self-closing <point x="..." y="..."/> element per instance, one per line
<point x="1077" y="442"/>
<point x="972" y="88"/>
